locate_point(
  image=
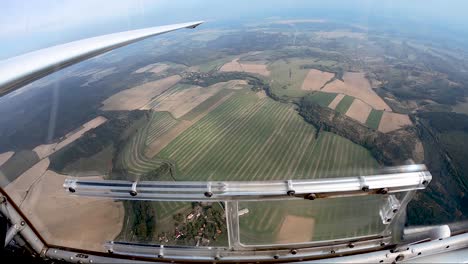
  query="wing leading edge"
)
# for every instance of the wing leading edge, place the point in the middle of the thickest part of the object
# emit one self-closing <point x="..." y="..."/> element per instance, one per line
<point x="18" y="71"/>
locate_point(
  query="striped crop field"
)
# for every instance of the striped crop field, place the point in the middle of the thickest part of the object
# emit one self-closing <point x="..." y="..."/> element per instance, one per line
<point x="132" y="157"/>
<point x="247" y="138"/>
<point x="205" y="105"/>
<point x="344" y="104"/>
<point x="159" y="124"/>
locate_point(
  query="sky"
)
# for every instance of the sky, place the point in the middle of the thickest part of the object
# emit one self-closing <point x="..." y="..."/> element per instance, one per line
<point x="27" y="25"/>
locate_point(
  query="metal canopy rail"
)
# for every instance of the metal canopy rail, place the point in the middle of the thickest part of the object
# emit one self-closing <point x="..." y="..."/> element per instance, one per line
<point x="407" y="178"/>
<point x="410" y="253"/>
<point x="182" y="253"/>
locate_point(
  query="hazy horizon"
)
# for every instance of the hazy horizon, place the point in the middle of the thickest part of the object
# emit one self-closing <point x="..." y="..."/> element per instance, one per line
<point x="32" y="25"/>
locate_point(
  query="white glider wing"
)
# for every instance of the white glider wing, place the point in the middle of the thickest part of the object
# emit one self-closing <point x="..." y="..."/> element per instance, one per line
<point x="18" y="71"/>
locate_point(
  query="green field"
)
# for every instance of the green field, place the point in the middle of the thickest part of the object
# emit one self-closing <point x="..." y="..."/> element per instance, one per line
<point x="330" y="219"/>
<point x="344" y="104"/>
<point x="214" y="64"/>
<point x="247" y="138"/>
<point x="287" y="77"/>
<point x="132" y="158"/>
<point x="160" y="123"/>
<point x="373" y="120"/>
<point x="321" y="98"/>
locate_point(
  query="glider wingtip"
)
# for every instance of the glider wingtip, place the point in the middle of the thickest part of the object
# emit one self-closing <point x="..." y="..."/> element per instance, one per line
<point x="196" y="24"/>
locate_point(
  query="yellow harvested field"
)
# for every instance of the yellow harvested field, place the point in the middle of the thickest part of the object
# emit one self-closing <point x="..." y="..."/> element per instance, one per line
<point x="336" y="101"/>
<point x="235" y="65"/>
<point x="137" y="97"/>
<point x="359" y="111"/>
<point x="256" y="68"/>
<point x="356" y="85"/>
<point x="71" y="221"/>
<point x="5" y="156"/>
<point x="45" y="150"/>
<point x="315" y="79"/>
<point x="157" y="145"/>
<point x="296" y="229"/>
<point x="69" y="138"/>
<point x="393" y="121"/>
<point x="19" y="188"/>
<point x="183" y="101"/>
<point x="154" y="68"/>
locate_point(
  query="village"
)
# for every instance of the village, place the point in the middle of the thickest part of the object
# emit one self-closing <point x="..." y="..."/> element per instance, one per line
<point x="200" y="227"/>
